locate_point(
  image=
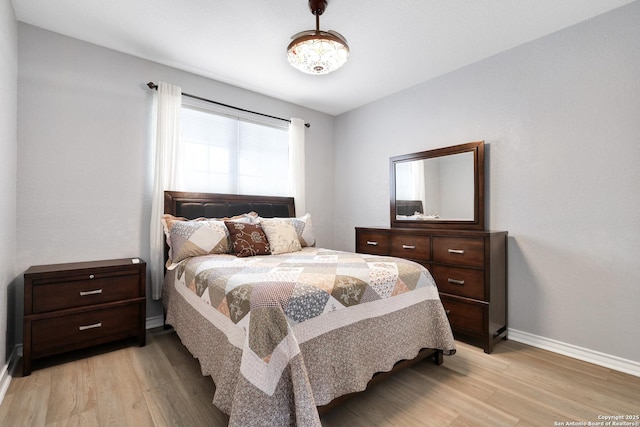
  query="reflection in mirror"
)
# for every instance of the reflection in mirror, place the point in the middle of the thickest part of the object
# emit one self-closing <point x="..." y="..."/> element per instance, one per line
<point x="439" y="187"/>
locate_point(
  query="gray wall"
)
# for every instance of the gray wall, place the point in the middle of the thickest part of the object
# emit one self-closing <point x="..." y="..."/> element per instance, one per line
<point x="8" y="150"/>
<point x="561" y="119"/>
<point x="84" y="179"/>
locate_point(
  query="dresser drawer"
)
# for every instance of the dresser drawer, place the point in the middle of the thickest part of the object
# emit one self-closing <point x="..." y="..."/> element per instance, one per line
<point x="84" y="289"/>
<point x="465" y="282"/>
<point x="464" y="251"/>
<point x="411" y="246"/>
<point x="56" y="334"/>
<point x="465" y="316"/>
<point x="371" y="242"/>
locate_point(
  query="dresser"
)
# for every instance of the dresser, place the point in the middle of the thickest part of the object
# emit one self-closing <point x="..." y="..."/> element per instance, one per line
<point x="79" y="305"/>
<point x="469" y="267"/>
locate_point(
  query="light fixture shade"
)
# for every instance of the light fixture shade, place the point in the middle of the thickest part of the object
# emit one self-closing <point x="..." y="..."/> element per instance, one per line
<point x="318" y="52"/>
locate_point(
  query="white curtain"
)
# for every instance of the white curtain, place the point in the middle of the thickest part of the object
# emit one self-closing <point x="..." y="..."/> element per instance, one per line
<point x="417" y="173"/>
<point x="296" y="164"/>
<point x="165" y="173"/>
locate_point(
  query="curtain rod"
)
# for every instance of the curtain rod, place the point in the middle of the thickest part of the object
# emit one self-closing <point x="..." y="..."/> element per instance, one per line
<point x="152" y="85"/>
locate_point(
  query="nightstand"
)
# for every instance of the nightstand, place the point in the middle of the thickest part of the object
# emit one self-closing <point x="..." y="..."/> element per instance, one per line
<point x="79" y="305"/>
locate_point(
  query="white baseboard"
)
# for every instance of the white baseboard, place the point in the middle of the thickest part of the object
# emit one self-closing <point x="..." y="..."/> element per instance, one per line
<point x="154" y="322"/>
<point x="7" y="370"/>
<point x="597" y="358"/>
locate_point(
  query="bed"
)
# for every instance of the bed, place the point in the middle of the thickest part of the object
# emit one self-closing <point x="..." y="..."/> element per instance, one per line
<point x="288" y="335"/>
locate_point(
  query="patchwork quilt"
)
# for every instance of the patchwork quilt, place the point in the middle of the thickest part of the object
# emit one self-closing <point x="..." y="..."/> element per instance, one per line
<point x="271" y="308"/>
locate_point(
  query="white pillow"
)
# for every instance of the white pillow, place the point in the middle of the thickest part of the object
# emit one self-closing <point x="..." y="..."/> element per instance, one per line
<point x="304" y="228"/>
<point x="281" y="235"/>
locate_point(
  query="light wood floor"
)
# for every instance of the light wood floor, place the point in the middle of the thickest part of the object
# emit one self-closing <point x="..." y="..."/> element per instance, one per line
<point x="161" y="385"/>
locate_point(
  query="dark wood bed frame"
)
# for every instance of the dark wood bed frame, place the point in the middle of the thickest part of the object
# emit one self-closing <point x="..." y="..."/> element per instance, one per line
<point x="210" y="205"/>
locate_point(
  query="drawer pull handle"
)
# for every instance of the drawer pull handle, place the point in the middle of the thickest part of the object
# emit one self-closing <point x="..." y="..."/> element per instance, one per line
<point x="447" y="312"/>
<point x="408" y="246"/>
<point x="370" y="243"/>
<point x="456" y="251"/>
<point x="94" y="292"/>
<point x="91" y="276"/>
<point x="455" y="281"/>
<point x="85" y="327"/>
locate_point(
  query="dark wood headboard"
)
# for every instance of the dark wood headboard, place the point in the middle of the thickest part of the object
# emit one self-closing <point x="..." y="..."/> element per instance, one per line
<point x="211" y="205"/>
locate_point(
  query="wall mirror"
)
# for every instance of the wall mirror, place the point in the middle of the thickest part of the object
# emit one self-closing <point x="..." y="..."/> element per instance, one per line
<point x="441" y="188"/>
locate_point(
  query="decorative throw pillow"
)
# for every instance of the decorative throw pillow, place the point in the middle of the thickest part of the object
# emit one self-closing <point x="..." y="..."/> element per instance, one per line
<point x="189" y="238"/>
<point x="247" y="239"/>
<point x="303" y="227"/>
<point x="282" y="235"/>
<point x="247" y="218"/>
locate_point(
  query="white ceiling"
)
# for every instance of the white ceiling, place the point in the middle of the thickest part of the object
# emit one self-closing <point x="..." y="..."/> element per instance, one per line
<point x="395" y="44"/>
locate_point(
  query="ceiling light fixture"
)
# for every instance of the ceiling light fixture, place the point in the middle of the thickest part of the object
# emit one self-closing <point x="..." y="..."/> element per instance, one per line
<point x="318" y="52"/>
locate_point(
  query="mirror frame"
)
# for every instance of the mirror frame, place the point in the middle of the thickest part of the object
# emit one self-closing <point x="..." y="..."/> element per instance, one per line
<point x="477" y="148"/>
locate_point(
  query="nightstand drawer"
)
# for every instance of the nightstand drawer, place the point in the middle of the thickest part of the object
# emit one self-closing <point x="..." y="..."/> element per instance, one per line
<point x="411" y="246"/>
<point x="465" y="316"/>
<point x="85" y="289"/>
<point x="465" y="251"/>
<point x="56" y="334"/>
<point x="465" y="282"/>
<point x="371" y="242"/>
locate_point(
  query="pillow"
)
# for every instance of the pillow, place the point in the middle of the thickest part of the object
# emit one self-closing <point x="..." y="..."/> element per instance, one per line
<point x="303" y="227"/>
<point x="189" y="238"/>
<point x="247" y="239"/>
<point x="282" y="235"/>
<point x="247" y="218"/>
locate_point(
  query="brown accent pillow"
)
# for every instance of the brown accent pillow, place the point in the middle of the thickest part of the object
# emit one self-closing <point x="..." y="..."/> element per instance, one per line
<point x="247" y="239"/>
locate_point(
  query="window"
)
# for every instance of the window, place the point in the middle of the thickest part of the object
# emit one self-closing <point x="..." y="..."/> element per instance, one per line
<point x="225" y="154"/>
